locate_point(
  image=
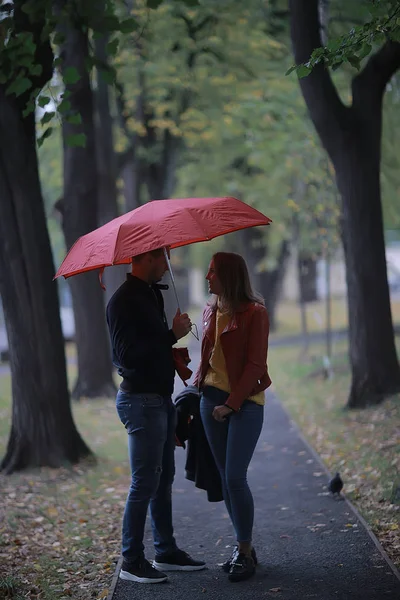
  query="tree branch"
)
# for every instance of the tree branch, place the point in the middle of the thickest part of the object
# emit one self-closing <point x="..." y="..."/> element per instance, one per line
<point x="377" y="73"/>
<point x="323" y="102"/>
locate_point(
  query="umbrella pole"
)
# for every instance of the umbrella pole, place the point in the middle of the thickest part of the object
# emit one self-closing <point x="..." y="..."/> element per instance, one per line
<point x="172" y="276"/>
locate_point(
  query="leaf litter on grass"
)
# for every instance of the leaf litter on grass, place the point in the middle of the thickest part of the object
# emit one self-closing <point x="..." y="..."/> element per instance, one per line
<point x="364" y="445"/>
<point x="60" y="528"/>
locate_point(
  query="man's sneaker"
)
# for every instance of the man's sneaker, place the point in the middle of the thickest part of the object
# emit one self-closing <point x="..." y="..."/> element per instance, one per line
<point x="242" y="568"/>
<point x="226" y="566"/>
<point x="177" y="561"/>
<point x="141" y="571"/>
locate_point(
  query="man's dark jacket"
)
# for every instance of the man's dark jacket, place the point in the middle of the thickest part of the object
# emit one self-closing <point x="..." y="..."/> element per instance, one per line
<point x="140" y="337"/>
<point x="200" y="464"/>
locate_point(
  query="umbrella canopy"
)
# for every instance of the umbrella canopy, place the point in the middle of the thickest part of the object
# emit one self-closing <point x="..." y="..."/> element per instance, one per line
<point x="158" y="224"/>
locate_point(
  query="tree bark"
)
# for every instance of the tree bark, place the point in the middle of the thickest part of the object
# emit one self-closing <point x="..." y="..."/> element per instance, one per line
<point x="107" y="205"/>
<point x="352" y="138"/>
<point x="79" y="216"/>
<point x="272" y="281"/>
<point x="129" y="163"/>
<point x="43" y="432"/>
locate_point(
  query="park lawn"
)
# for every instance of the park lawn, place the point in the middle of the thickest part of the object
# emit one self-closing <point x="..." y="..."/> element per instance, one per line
<point x="289" y="323"/>
<point x="60" y="528"/>
<point x="364" y="445"/>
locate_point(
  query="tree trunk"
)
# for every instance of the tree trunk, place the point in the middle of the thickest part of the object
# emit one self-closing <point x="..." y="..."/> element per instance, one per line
<point x="328" y="315"/>
<point x="271" y="283"/>
<point x="161" y="174"/>
<point x="107" y="206"/>
<point x="307" y="269"/>
<point x="79" y="216"/>
<point x="375" y="369"/>
<point x="352" y="138"/>
<point x="43" y="432"/>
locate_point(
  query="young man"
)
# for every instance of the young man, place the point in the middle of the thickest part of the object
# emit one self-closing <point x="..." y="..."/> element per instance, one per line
<point x="142" y="352"/>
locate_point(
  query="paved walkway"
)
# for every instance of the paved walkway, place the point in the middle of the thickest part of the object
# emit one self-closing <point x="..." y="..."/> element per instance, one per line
<point x="309" y="545"/>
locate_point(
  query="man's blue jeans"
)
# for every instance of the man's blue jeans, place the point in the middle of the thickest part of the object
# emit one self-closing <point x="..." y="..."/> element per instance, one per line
<point x="232" y="443"/>
<point x="150" y="421"/>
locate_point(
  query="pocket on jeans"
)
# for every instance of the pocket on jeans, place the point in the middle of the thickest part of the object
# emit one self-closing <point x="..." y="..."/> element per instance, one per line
<point x="123" y="412"/>
<point x="152" y="400"/>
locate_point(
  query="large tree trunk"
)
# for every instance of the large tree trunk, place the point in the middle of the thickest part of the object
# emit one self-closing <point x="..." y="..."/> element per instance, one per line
<point x="375" y="369"/>
<point x="352" y="138"/>
<point x="79" y="213"/>
<point x="107" y="206"/>
<point x="43" y="432"/>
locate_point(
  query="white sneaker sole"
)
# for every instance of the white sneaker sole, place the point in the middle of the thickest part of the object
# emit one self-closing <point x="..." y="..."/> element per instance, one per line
<point x="126" y="576"/>
<point x="167" y="567"/>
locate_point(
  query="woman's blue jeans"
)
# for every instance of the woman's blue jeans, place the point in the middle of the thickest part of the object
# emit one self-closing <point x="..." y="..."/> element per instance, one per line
<point x="232" y="443"/>
<point x="150" y="420"/>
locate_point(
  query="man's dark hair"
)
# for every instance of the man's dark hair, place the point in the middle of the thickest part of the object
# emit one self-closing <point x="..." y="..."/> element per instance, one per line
<point x="156" y="253"/>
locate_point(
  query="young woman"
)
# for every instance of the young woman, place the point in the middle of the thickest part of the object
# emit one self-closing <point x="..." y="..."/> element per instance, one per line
<point x="232" y="377"/>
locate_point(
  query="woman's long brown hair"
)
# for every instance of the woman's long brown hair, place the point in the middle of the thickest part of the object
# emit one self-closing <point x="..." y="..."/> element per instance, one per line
<point x="232" y="272"/>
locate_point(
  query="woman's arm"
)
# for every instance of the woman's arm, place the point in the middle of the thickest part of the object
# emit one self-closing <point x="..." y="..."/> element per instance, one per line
<point x="256" y="363"/>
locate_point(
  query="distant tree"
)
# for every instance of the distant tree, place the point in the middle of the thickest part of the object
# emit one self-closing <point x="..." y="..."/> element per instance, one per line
<point x="79" y="205"/>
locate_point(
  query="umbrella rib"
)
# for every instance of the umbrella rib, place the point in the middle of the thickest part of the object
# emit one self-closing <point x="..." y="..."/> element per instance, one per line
<point x="199" y="224"/>
<point x="116" y="242"/>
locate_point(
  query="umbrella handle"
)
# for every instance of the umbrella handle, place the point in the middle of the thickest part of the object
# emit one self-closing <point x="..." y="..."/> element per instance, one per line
<point x="172" y="276"/>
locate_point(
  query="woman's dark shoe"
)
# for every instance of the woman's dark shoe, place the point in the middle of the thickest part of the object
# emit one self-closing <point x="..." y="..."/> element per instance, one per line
<point x="242" y="568"/>
<point x="226" y="566"/>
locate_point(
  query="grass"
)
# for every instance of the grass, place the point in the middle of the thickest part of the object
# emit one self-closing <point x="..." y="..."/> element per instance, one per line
<point x="59" y="533"/>
<point x="288" y="316"/>
<point x="364" y="445"/>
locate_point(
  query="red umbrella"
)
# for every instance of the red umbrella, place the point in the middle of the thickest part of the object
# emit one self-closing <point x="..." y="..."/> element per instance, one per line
<point x="158" y="224"/>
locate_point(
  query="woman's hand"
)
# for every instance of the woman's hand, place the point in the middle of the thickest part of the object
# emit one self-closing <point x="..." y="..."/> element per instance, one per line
<point x="221" y="412"/>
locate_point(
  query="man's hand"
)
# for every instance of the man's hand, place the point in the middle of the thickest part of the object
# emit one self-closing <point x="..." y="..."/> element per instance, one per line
<point x="221" y="412"/>
<point x="181" y="325"/>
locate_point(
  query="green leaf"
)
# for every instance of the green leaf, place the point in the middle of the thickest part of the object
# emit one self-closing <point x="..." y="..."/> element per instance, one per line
<point x="74" y="119"/>
<point x="28" y="8"/>
<point x="334" y="44"/>
<point x="47" y="117"/>
<point x="45" y="135"/>
<point x="108" y="75"/>
<point x="395" y="35"/>
<point x="71" y="75"/>
<point x="30" y="107"/>
<point x="64" y="106"/>
<point x="112" y="47"/>
<point x="76" y="140"/>
<point x="3" y="78"/>
<point x="128" y="25"/>
<point x="303" y="71"/>
<point x="292" y="68"/>
<point x="154" y="3"/>
<point x="107" y="25"/>
<point x="43" y="101"/>
<point x="19" y="86"/>
<point x="365" y="50"/>
<point x="36" y="70"/>
<point x="354" y="61"/>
